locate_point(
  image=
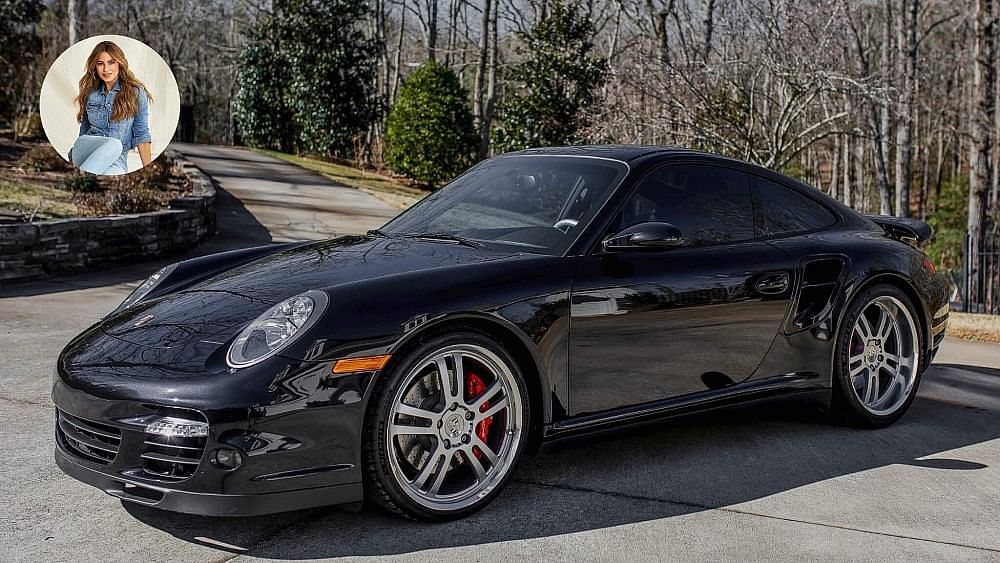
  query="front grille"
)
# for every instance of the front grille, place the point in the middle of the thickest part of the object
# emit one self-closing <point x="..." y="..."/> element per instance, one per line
<point x="88" y="440"/>
<point x="170" y="458"/>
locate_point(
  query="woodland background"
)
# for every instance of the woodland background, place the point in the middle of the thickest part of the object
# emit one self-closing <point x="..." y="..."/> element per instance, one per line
<point x="887" y="105"/>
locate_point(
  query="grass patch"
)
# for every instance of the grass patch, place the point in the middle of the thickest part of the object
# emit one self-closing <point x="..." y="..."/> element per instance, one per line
<point x="390" y="190"/>
<point x="972" y="326"/>
<point x="25" y="197"/>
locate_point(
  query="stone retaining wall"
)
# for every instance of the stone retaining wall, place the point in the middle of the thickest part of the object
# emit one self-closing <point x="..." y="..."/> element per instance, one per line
<point x="65" y="246"/>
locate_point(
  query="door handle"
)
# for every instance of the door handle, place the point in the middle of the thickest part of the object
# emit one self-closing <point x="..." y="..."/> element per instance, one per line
<point x="773" y="283"/>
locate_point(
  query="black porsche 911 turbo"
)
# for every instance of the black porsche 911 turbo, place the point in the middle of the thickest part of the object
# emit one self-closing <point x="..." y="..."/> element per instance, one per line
<point x="543" y="293"/>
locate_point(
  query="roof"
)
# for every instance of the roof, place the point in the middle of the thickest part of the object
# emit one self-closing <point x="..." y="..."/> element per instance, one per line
<point x="624" y="153"/>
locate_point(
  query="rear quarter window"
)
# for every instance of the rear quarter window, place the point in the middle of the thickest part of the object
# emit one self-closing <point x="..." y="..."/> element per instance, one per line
<point x="786" y="211"/>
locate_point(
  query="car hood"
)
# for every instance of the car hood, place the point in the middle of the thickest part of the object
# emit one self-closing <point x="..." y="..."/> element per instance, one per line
<point x="210" y="313"/>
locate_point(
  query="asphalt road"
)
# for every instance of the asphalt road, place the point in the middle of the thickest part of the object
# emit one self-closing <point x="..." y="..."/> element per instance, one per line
<point x="761" y="483"/>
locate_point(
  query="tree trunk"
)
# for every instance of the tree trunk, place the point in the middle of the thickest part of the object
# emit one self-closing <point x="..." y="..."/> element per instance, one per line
<point x="453" y="9"/>
<point x="397" y="59"/>
<point x="907" y="31"/>
<point x="858" y="197"/>
<point x="478" y="101"/>
<point x="882" y="155"/>
<point x="980" y="123"/>
<point x="709" y="25"/>
<point x="845" y="190"/>
<point x="432" y="29"/>
<point x="835" y="167"/>
<point x="72" y="20"/>
<point x="491" y="85"/>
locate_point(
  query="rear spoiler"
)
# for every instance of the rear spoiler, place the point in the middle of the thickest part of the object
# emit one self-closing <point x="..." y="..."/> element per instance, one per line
<point x="912" y="231"/>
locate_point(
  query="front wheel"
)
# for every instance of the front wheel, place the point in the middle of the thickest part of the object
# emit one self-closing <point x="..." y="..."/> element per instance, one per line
<point x="878" y="358"/>
<point x="447" y="427"/>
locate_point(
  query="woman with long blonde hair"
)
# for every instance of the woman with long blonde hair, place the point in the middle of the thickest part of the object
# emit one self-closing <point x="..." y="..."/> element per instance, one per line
<point x="113" y="111"/>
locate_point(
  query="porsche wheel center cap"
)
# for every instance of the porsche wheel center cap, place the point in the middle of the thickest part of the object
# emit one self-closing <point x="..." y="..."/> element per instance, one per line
<point x="873" y="354"/>
<point x="454" y="426"/>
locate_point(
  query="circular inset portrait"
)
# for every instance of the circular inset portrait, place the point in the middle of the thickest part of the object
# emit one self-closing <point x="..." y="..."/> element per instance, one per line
<point x="109" y="105"/>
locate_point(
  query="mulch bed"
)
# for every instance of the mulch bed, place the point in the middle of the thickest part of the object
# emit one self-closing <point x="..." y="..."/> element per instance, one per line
<point x="34" y="161"/>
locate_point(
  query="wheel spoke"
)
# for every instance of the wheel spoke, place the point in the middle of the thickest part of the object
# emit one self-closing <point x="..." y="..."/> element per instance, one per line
<point x="447" y="382"/>
<point x="436" y="485"/>
<point x="896" y="361"/>
<point x="456" y="358"/>
<point x="425" y="473"/>
<point x="494" y="408"/>
<point x="897" y="380"/>
<point x="409" y="410"/>
<point x="477" y="465"/>
<point x="864" y="329"/>
<point x="487" y="451"/>
<point x="859" y="369"/>
<point x="406" y="429"/>
<point x="486" y="395"/>
<point x="871" y="388"/>
<point x="884" y="324"/>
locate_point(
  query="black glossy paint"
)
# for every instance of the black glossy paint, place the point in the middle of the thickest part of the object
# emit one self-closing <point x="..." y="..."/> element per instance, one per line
<point x="605" y="338"/>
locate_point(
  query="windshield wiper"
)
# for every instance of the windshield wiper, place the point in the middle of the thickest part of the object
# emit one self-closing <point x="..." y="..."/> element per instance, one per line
<point x="377" y="233"/>
<point x="447" y="237"/>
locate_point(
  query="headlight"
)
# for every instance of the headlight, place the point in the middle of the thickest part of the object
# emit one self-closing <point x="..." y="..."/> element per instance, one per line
<point x="143" y="290"/>
<point x="276" y="328"/>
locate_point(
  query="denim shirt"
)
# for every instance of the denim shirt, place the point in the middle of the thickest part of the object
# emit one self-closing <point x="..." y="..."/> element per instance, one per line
<point x="131" y="131"/>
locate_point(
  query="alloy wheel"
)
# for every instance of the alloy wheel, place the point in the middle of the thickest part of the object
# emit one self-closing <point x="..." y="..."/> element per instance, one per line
<point x="456" y="423"/>
<point x="884" y="355"/>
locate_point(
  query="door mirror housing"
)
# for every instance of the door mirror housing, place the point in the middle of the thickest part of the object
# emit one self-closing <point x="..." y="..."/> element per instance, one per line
<point x="651" y="235"/>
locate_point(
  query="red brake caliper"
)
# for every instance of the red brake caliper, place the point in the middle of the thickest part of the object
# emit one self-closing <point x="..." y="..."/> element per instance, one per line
<point x="474" y="387"/>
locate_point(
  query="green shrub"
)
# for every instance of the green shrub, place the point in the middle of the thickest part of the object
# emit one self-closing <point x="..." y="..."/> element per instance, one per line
<point x="81" y="183"/>
<point x="554" y="89"/>
<point x="42" y="158"/>
<point x="323" y="96"/>
<point x="949" y="222"/>
<point x="429" y="133"/>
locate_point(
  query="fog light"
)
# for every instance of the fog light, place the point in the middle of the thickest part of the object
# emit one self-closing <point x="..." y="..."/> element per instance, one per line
<point x="178" y="427"/>
<point x="227" y="458"/>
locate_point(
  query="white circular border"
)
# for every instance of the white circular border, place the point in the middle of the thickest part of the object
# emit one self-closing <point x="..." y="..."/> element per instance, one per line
<point x="62" y="83"/>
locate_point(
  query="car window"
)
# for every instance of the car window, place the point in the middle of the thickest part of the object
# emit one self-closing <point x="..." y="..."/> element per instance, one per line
<point x="532" y="203"/>
<point x="785" y="210"/>
<point x="709" y="204"/>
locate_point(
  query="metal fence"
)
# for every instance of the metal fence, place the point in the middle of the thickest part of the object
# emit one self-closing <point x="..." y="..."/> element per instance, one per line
<point x="980" y="283"/>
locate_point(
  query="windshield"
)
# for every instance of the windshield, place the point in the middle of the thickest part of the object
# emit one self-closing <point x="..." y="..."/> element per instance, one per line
<point x="534" y="203"/>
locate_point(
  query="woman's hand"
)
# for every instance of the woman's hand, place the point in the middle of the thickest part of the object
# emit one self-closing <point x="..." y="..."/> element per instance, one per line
<point x="145" y="153"/>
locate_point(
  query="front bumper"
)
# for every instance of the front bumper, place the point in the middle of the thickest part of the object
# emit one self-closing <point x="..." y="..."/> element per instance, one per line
<point x="297" y="452"/>
<point x="208" y="504"/>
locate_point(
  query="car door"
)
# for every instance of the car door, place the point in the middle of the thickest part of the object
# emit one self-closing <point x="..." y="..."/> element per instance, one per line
<point x="651" y="325"/>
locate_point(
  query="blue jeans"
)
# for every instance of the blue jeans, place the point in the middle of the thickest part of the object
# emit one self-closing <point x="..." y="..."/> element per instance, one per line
<point x="97" y="155"/>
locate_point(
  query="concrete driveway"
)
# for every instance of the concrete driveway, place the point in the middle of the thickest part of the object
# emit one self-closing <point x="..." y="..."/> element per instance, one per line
<point x="762" y="483"/>
<point x="292" y="203"/>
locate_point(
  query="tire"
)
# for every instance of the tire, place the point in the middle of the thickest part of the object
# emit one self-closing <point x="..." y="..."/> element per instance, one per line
<point x="479" y="427"/>
<point x="876" y="368"/>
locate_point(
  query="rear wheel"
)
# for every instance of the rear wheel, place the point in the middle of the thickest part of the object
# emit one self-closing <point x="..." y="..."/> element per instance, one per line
<point x="447" y="428"/>
<point x="878" y="358"/>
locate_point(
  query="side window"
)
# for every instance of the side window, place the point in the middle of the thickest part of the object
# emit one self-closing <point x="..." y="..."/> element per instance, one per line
<point x="709" y="205"/>
<point x="787" y="211"/>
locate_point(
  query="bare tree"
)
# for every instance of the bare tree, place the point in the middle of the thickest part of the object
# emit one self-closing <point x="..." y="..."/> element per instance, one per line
<point x="478" y="105"/>
<point x="907" y="43"/>
<point x="983" y="68"/>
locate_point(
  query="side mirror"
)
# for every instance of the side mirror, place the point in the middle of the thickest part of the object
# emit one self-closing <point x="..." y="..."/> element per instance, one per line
<point x="645" y="236"/>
